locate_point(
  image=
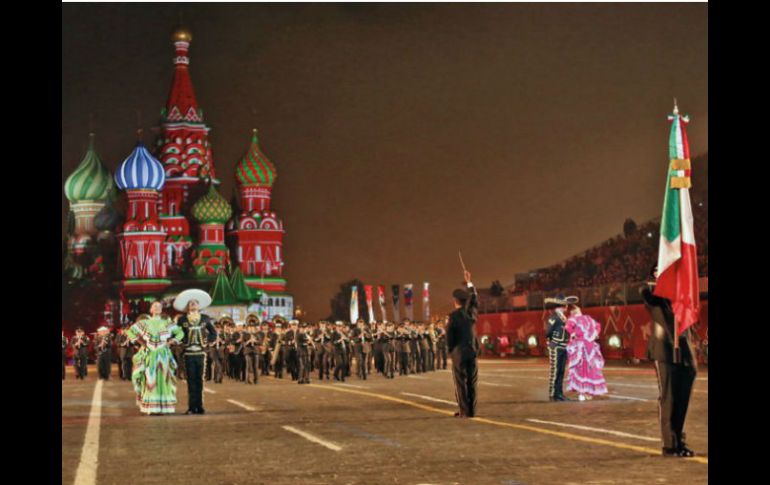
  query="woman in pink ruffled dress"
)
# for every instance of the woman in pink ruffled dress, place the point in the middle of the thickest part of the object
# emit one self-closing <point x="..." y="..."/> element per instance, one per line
<point x="585" y="357"/>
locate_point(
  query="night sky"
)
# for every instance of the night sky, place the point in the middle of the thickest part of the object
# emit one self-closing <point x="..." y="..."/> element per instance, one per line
<point x="522" y="134"/>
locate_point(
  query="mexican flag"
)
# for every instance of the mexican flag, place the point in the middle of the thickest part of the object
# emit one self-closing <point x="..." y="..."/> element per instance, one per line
<point x="677" y="258"/>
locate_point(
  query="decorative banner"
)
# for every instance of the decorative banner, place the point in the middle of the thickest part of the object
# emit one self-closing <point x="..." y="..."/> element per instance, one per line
<point x="381" y="295"/>
<point x="408" y="301"/>
<point x="396" y="308"/>
<point x="425" y="302"/>
<point x="353" y="304"/>
<point x="368" y="290"/>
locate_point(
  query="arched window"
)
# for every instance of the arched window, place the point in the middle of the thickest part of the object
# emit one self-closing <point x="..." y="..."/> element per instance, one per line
<point x="269" y="302"/>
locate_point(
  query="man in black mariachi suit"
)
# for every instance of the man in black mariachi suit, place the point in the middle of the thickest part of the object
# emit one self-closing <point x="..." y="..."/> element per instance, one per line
<point x="557" y="338"/>
<point x="198" y="329"/>
<point x="675" y="379"/>
<point x="463" y="345"/>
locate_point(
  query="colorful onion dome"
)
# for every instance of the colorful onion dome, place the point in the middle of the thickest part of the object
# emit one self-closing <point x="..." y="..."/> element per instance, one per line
<point x="255" y="168"/>
<point x="91" y="180"/>
<point x="212" y="208"/>
<point x="140" y="171"/>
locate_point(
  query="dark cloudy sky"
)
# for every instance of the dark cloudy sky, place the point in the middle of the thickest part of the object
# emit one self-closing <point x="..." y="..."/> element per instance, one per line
<point x="520" y="133"/>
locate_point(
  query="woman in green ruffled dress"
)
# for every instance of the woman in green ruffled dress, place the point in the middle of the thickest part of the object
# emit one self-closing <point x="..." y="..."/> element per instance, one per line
<point x="154" y="375"/>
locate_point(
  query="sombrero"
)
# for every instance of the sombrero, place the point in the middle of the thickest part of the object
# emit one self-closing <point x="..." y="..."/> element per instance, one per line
<point x="183" y="298"/>
<point x="572" y="300"/>
<point x="558" y="300"/>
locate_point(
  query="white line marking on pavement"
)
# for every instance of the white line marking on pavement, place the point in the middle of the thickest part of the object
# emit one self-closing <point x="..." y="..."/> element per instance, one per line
<point x="494" y="384"/>
<point x="89" y="457"/>
<point x="350" y="385"/>
<point x="244" y="406"/>
<point x="314" y="439"/>
<point x="628" y="397"/>
<point x="598" y="430"/>
<point x="206" y="389"/>
<point x="428" y="398"/>
<point x="416" y="377"/>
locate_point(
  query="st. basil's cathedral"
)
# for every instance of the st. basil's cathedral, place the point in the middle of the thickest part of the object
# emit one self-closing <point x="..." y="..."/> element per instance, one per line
<point x="178" y="231"/>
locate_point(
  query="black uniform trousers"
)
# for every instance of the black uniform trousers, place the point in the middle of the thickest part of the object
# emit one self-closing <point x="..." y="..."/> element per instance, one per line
<point x="252" y="367"/>
<point x="105" y="364"/>
<point x="390" y="363"/>
<point x="675" y="383"/>
<point x="304" y="365"/>
<point x="465" y="373"/>
<point x="441" y="357"/>
<point x="363" y="361"/>
<point x="324" y="357"/>
<point x="194" y="366"/>
<point x="81" y="364"/>
<point x="558" y="361"/>
<point x="404" y="361"/>
<point x="341" y="361"/>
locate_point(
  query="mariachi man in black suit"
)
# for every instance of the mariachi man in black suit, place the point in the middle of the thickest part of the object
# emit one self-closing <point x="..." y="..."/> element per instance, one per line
<point x="198" y="330"/>
<point x="463" y="345"/>
<point x="675" y="379"/>
<point x="558" y="338"/>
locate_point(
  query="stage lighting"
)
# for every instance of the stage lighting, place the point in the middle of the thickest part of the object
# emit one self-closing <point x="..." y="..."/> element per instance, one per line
<point x="614" y="341"/>
<point x="532" y="341"/>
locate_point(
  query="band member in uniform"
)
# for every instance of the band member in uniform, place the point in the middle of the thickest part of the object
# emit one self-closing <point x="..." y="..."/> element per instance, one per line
<point x="675" y="379"/>
<point x="304" y="345"/>
<point x="291" y="345"/>
<point x="80" y="352"/>
<point x="388" y="339"/>
<point x="154" y="367"/>
<point x="63" y="354"/>
<point x="441" y="349"/>
<point x="263" y="337"/>
<point x="251" y="351"/>
<point x="557" y="338"/>
<point x="362" y="347"/>
<point x="325" y="352"/>
<point x="216" y="355"/>
<point x="103" y="347"/>
<point x="197" y="328"/>
<point x="341" y="351"/>
<point x="125" y="354"/>
<point x="426" y="347"/>
<point x="402" y="348"/>
<point x="277" y="350"/>
<point x="463" y="345"/>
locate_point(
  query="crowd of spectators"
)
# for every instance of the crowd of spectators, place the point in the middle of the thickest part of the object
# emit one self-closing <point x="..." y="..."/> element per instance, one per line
<point x="626" y="258"/>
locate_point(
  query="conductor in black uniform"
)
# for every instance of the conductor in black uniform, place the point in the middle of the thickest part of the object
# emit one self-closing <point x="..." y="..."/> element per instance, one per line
<point x="463" y="345"/>
<point x="675" y="379"/>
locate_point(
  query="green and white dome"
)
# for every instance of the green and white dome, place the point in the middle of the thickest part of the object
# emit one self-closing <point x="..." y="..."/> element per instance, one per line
<point x="91" y="181"/>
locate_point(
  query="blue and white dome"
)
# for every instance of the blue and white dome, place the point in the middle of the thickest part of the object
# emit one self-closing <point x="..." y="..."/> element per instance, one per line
<point x="140" y="171"/>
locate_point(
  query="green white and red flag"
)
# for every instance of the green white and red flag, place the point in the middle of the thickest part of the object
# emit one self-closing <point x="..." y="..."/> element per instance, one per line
<point x="677" y="257"/>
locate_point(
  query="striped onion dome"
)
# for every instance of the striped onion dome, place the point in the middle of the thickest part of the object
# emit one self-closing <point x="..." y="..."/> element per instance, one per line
<point x="255" y="168"/>
<point x="91" y="180"/>
<point x="212" y="208"/>
<point x="140" y="171"/>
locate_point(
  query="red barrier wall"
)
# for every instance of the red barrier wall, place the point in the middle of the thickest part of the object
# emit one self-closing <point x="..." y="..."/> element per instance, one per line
<point x="631" y="323"/>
